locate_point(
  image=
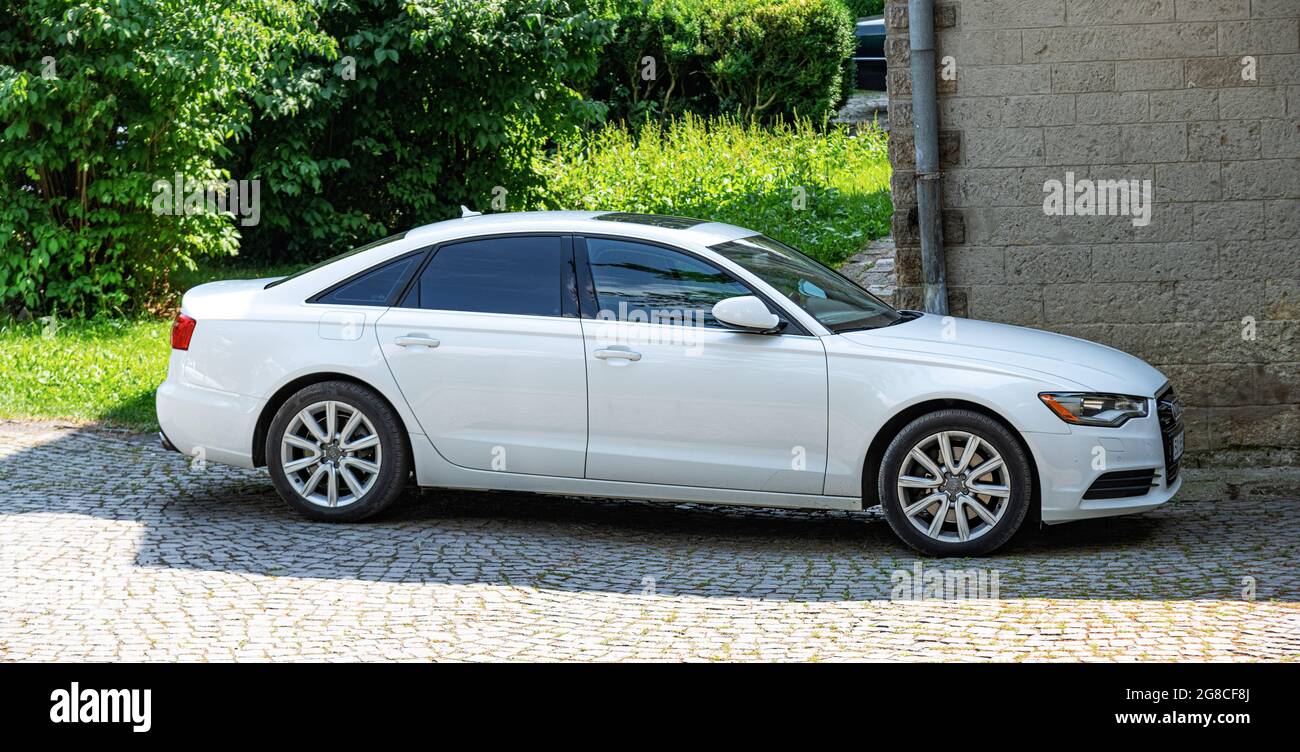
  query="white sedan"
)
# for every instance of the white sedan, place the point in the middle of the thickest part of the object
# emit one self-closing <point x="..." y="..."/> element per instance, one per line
<point x="649" y="357"/>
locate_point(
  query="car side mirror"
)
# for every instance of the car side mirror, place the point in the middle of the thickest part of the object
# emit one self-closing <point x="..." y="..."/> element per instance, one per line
<point x="746" y="313"/>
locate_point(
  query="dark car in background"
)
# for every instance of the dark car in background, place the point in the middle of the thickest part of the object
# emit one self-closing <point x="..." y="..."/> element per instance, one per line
<point x="869" y="53"/>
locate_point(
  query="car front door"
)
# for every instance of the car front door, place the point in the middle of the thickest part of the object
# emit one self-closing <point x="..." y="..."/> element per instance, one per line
<point x="487" y="349"/>
<point x="674" y="397"/>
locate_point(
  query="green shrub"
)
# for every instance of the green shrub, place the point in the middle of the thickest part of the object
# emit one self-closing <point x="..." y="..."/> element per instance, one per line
<point x="770" y="59"/>
<point x="860" y="8"/>
<point x="100" y="99"/>
<point x="826" y="193"/>
<point x="449" y="102"/>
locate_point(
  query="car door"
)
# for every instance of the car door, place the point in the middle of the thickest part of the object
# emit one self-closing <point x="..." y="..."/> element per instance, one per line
<point x="674" y="397"/>
<point x="487" y="349"/>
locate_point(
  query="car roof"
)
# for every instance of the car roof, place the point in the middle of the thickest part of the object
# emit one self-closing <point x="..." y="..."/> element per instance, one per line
<point x="645" y="226"/>
<point x="678" y="231"/>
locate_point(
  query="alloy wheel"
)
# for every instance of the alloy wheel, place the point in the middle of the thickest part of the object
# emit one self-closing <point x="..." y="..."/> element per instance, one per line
<point x="954" y="486"/>
<point x="330" y="453"/>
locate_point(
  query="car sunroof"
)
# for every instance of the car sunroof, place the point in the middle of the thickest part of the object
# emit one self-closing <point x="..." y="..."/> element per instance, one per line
<point x="654" y="220"/>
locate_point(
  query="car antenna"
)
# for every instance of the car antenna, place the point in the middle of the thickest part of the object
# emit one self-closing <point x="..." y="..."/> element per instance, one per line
<point x="465" y="211"/>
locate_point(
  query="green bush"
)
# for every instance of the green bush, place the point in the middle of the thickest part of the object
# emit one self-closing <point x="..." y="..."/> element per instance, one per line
<point x="824" y="192"/>
<point x="357" y="117"/>
<point x="100" y="99"/>
<point x="860" y="8"/>
<point x="449" y="103"/>
<point x="767" y="59"/>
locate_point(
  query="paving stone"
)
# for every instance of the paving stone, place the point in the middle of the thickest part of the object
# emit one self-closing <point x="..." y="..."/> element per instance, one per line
<point x="113" y="549"/>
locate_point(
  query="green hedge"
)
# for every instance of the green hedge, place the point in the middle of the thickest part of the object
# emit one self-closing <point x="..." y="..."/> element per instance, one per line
<point x="451" y="102"/>
<point x="98" y="101"/>
<point x="769" y="59"/>
<point x="358" y="118"/>
<point x="825" y="192"/>
<point x="860" y="8"/>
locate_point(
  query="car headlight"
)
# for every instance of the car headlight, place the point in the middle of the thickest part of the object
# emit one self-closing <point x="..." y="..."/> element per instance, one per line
<point x="1086" y="409"/>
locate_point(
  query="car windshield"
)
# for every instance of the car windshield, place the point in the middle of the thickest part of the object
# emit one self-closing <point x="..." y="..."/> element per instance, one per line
<point x="828" y="296"/>
<point x="332" y="259"/>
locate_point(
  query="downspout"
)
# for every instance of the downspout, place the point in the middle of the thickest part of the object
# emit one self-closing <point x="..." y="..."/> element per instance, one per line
<point x="925" y="131"/>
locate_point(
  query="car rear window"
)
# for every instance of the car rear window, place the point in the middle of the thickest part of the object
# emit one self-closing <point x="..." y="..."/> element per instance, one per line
<point x="518" y="275"/>
<point x="375" y="287"/>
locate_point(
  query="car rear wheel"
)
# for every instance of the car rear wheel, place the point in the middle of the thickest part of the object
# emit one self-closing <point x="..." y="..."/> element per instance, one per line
<point x="955" y="483"/>
<point x="336" y="452"/>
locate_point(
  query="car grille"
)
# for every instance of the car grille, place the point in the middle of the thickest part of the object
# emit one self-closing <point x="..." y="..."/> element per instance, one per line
<point x="1121" y="484"/>
<point x="1169" y="410"/>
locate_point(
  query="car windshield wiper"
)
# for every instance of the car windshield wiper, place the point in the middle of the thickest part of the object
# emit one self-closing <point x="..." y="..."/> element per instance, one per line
<point x="903" y="316"/>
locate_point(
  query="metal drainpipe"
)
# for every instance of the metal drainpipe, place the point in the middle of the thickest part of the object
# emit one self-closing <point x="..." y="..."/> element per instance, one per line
<point x="925" y="131"/>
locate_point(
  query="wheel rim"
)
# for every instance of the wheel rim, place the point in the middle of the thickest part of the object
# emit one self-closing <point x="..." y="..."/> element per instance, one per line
<point x="330" y="453"/>
<point x="954" y="486"/>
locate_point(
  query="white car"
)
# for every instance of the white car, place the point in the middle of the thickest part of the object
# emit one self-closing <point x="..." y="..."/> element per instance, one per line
<point x="649" y="357"/>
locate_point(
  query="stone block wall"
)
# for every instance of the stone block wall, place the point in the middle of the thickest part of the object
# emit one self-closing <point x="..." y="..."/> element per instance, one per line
<point x="1199" y="97"/>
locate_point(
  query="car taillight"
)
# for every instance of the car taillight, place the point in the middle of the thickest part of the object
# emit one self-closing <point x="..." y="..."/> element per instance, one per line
<point x="182" y="330"/>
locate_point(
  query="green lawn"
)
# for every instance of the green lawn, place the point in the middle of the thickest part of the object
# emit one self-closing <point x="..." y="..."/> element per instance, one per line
<point x="103" y="370"/>
<point x="84" y="371"/>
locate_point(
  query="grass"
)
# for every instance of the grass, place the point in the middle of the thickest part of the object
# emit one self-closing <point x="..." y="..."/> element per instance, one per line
<point x="101" y="370"/>
<point x="825" y="192"/>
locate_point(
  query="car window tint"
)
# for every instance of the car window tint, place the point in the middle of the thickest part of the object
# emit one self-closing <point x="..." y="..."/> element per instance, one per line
<point x="640" y="282"/>
<point x="518" y="275"/>
<point x="375" y="287"/>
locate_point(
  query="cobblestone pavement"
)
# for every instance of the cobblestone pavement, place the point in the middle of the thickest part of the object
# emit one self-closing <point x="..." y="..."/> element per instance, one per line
<point x="112" y="549"/>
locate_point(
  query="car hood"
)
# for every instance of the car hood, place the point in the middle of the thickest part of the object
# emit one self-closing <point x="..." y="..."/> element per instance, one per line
<point x="1032" y="352"/>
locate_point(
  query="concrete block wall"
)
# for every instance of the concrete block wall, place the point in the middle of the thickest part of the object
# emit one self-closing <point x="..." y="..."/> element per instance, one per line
<point x="1199" y="97"/>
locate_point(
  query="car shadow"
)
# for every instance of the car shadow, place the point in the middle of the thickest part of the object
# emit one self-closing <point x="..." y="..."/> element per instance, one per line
<point x="221" y="519"/>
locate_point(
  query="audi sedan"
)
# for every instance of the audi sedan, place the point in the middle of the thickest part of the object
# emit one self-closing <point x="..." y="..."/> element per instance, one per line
<point x="634" y="356"/>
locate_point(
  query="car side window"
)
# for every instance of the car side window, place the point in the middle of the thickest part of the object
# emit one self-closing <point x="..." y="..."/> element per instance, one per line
<point x="375" y="287"/>
<point x="641" y="282"/>
<point x="516" y="275"/>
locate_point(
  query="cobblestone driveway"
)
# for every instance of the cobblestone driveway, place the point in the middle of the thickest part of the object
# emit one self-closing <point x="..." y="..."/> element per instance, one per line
<point x="112" y="549"/>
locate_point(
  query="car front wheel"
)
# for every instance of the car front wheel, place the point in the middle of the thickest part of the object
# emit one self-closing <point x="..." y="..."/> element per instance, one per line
<point x="955" y="483"/>
<point x="336" y="453"/>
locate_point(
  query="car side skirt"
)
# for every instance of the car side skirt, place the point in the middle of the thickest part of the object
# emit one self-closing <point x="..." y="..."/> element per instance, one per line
<point x="433" y="471"/>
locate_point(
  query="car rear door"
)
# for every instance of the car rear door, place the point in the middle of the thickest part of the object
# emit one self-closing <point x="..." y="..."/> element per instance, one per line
<point x="676" y="398"/>
<point x="487" y="348"/>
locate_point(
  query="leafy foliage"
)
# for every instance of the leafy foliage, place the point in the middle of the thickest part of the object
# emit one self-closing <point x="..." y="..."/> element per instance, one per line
<point x="100" y="99"/>
<point x="826" y="193"/>
<point x="767" y="59"/>
<point x="358" y="117"/>
<point x="450" y="102"/>
<point x="860" y="8"/>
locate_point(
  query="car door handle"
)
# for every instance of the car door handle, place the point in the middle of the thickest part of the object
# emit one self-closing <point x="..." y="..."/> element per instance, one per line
<point x="614" y="354"/>
<point x="416" y="340"/>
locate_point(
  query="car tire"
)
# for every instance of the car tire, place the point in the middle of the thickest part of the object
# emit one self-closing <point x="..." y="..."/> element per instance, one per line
<point x="915" y="492"/>
<point x="364" y="450"/>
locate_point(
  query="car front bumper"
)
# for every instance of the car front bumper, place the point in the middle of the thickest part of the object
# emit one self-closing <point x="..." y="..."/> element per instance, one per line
<point x="1069" y="463"/>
